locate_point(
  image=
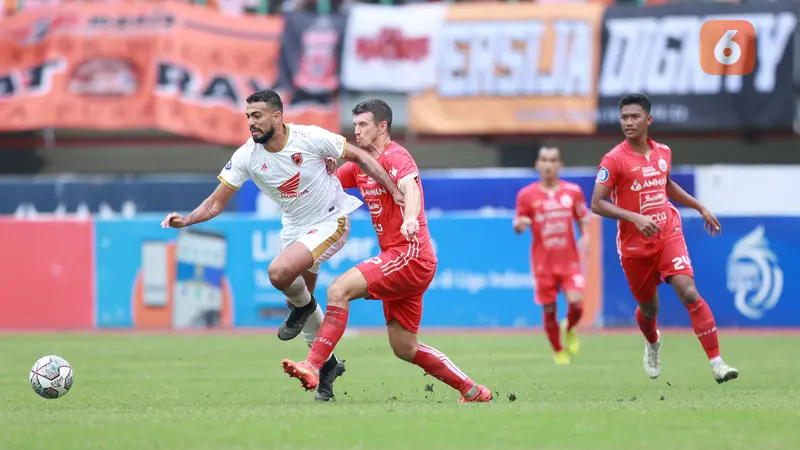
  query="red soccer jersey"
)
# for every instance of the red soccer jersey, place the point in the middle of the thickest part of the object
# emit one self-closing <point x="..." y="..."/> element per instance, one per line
<point x="387" y="216"/>
<point x="639" y="185"/>
<point x="554" y="250"/>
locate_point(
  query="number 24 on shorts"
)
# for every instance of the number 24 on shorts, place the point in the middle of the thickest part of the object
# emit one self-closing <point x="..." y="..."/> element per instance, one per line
<point x="681" y="262"/>
<point x="727" y="47"/>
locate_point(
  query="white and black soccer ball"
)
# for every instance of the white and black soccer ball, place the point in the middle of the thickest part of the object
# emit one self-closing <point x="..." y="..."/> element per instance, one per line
<point x="51" y="376"/>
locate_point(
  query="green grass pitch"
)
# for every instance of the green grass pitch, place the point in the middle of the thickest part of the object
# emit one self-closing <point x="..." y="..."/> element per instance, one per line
<point x="227" y="392"/>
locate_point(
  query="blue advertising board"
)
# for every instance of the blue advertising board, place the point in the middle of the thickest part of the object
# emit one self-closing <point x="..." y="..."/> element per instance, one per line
<point x="482" y="279"/>
<point x="471" y="190"/>
<point x="748" y="274"/>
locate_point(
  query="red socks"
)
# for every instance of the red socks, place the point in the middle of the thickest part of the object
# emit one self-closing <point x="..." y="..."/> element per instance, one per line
<point x="551" y="329"/>
<point x="574" y="313"/>
<point x="649" y="327"/>
<point x="328" y="336"/>
<point x="439" y="366"/>
<point x="704" y="327"/>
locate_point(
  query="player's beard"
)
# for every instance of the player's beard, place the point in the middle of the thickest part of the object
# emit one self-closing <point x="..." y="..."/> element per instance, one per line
<point x="265" y="136"/>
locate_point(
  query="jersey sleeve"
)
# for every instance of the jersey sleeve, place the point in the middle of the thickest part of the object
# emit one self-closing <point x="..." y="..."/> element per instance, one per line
<point x="401" y="167"/>
<point x="235" y="172"/>
<point x="523" y="204"/>
<point x="347" y="175"/>
<point x="607" y="172"/>
<point x="327" y="144"/>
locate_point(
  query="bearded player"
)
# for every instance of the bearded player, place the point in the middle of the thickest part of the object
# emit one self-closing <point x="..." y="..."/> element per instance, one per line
<point x="549" y="207"/>
<point x="650" y="241"/>
<point x="287" y="163"/>
<point x="400" y="275"/>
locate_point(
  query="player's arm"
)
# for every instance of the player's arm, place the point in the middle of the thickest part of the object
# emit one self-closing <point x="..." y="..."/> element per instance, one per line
<point x="373" y="168"/>
<point x="210" y="208"/>
<point x="601" y="206"/>
<point x="583" y="218"/>
<point x="230" y="179"/>
<point x="677" y="193"/>
<point x="413" y="204"/>
<point x="606" y="181"/>
<point x="522" y="218"/>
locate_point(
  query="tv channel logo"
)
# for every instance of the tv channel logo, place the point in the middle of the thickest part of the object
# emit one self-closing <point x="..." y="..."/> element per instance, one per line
<point x="727" y="47"/>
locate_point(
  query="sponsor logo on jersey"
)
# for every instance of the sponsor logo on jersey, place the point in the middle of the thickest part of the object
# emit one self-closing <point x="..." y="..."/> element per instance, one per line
<point x="289" y="187"/>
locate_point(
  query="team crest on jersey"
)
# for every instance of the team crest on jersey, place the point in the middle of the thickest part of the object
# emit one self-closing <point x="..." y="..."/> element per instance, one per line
<point x="662" y="164"/>
<point x="297" y="159"/>
<point x="566" y="201"/>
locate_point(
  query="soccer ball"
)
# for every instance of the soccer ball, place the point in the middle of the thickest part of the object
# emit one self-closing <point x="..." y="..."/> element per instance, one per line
<point x="51" y="376"/>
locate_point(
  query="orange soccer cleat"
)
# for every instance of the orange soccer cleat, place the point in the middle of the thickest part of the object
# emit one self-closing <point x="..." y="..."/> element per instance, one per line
<point x="303" y="371"/>
<point x="483" y="395"/>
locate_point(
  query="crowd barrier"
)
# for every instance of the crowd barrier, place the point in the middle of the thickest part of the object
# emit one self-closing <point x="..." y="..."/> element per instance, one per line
<point x="464" y="68"/>
<point x="130" y="273"/>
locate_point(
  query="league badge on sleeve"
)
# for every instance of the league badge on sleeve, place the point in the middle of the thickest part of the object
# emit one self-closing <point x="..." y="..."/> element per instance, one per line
<point x="228" y="166"/>
<point x="602" y="175"/>
<point x="662" y="164"/>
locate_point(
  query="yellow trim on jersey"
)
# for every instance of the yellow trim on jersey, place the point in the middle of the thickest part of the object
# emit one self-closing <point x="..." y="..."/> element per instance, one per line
<point x="334" y="238"/>
<point x="225" y="182"/>
<point x="344" y="148"/>
<point x="286" y="131"/>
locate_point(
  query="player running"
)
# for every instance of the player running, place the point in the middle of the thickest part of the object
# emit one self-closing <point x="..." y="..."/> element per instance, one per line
<point x="548" y="207"/>
<point x="650" y="241"/>
<point x="398" y="276"/>
<point x="287" y="163"/>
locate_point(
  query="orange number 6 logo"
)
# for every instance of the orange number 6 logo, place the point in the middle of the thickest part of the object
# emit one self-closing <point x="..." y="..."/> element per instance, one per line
<point x="727" y="47"/>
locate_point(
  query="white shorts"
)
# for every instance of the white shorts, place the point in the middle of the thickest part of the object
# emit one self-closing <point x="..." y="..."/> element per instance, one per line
<point x="322" y="239"/>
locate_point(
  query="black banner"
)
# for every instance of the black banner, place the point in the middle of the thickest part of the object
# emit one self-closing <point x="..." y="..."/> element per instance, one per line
<point x="309" y="64"/>
<point x="656" y="50"/>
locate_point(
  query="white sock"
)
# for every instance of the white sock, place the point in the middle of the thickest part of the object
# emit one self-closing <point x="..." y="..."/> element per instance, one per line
<point x="715" y="360"/>
<point x="312" y="326"/>
<point x="297" y="293"/>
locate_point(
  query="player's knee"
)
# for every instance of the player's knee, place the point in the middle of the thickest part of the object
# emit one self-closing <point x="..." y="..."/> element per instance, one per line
<point x="649" y="309"/>
<point x="404" y="349"/>
<point x="688" y="294"/>
<point x="338" y="295"/>
<point x="549" y="309"/>
<point x="280" y="276"/>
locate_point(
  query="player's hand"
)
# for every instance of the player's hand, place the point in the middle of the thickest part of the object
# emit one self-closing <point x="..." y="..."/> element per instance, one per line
<point x="331" y="165"/>
<point x="409" y="228"/>
<point x="646" y="225"/>
<point x="173" y="220"/>
<point x="521" y="224"/>
<point x="399" y="198"/>
<point x="711" y="225"/>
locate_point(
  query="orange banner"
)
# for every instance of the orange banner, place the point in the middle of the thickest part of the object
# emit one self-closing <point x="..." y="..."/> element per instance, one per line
<point x="514" y="68"/>
<point x="173" y="67"/>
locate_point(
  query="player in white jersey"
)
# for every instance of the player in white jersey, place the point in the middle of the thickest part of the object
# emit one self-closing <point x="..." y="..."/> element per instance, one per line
<point x="287" y="163"/>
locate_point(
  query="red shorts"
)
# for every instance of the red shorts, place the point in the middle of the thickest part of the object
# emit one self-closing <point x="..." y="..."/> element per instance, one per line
<point x="644" y="274"/>
<point x="400" y="282"/>
<point x="548" y="285"/>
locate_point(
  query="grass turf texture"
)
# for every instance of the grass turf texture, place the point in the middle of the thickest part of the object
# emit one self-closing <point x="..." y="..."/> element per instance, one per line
<point x="228" y="392"/>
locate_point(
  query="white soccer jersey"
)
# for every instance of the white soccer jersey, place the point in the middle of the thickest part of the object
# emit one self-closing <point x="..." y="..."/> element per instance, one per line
<point x="295" y="177"/>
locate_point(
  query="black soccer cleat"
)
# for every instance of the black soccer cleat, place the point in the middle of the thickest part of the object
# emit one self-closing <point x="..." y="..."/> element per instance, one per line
<point x="296" y="320"/>
<point x="332" y="370"/>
